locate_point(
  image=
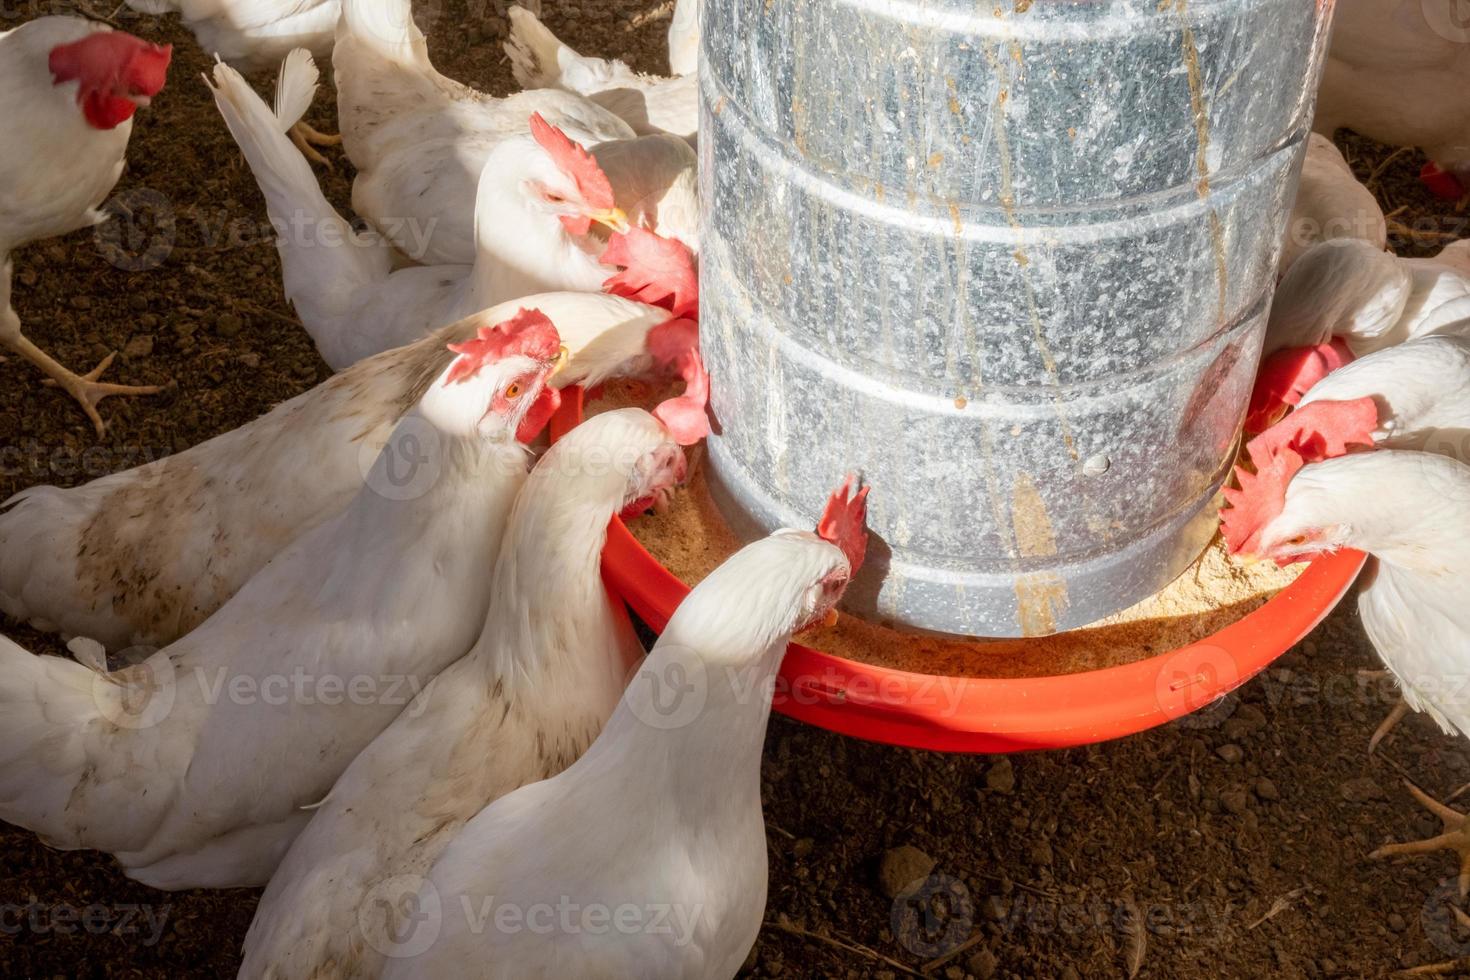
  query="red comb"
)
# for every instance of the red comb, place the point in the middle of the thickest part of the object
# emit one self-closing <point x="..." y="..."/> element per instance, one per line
<point x="668" y="341"/>
<point x="684" y="416"/>
<point x="1445" y="186"/>
<point x="844" y="522"/>
<point x="528" y="333"/>
<point x="540" y="413"/>
<point x="576" y="163"/>
<point x="656" y="270"/>
<point x="1322" y="430"/>
<point x="1285" y="376"/>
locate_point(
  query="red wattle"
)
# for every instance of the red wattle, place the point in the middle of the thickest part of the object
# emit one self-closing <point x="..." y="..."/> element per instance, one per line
<point x="1443" y="185"/>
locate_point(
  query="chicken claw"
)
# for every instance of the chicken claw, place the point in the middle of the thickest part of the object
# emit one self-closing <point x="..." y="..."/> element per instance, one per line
<point x="85" y="388"/>
<point x="307" y="138"/>
<point x="1388" y="724"/>
<point x="1455" y="838"/>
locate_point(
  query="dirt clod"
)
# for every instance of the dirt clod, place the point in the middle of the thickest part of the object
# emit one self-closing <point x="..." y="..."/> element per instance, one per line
<point x="1001" y="776"/>
<point x="901" y="868"/>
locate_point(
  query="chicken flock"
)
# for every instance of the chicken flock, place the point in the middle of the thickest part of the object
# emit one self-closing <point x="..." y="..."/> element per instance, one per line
<point x="503" y="250"/>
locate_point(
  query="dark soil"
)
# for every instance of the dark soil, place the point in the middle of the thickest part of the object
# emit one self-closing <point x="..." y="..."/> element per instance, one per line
<point x="1231" y="844"/>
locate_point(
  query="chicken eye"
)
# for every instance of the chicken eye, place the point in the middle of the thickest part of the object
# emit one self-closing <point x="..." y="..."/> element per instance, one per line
<point x="1298" y="540"/>
<point x="514" y="391"/>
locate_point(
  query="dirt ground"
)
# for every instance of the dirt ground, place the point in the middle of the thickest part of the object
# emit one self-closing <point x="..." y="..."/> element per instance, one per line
<point x="1231" y="844"/>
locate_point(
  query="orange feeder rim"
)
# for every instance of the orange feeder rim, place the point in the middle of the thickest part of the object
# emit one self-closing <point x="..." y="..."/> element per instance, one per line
<point x="984" y="714"/>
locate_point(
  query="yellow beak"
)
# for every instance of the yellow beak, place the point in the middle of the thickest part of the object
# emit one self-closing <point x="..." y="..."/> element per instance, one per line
<point x="614" y="219"/>
<point x="563" y="358"/>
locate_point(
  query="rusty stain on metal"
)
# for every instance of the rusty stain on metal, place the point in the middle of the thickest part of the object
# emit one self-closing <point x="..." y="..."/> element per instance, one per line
<point x="1041" y="597"/>
<point x="1035" y="537"/>
<point x="1201" y="111"/>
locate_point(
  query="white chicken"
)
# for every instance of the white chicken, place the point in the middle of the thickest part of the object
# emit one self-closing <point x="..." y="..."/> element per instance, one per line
<point x="343" y="285"/>
<point x="1313" y="492"/>
<point x="1421" y="388"/>
<point x="1392" y="74"/>
<point x="1413" y="603"/>
<point x="68" y="91"/>
<point x="420" y="141"/>
<point x="256" y="35"/>
<point x="193" y="767"/>
<point x="663" y="813"/>
<point x="143" y="556"/>
<point x="1346" y="298"/>
<point x="1330" y="203"/>
<point x="684" y="35"/>
<point x="530" y="697"/>
<point x="1422" y="392"/>
<point x="646" y="102"/>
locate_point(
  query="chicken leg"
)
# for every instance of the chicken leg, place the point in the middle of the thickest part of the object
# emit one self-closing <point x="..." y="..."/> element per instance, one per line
<point x="85" y="388"/>
<point x="307" y="138"/>
<point x="1456" y="837"/>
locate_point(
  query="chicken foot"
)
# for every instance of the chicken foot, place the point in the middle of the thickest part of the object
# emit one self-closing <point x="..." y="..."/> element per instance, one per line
<point x="1456" y="837"/>
<point x="307" y="138"/>
<point x="85" y="388"/>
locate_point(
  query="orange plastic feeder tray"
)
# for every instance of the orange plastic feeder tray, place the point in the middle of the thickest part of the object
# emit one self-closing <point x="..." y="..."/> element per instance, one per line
<point x="978" y="714"/>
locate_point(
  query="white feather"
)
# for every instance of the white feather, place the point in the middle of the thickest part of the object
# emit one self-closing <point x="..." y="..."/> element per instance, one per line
<point x="257" y="711"/>
<point x="522" y="705"/>
<point x="1411" y="512"/>
<point x="647" y="103"/>
<point x="1422" y="389"/>
<point x="1389" y="67"/>
<point x="660" y="815"/>
<point x="145" y="555"/>
<point x="295" y="87"/>
<point x="420" y="141"/>
<point x="1330" y="204"/>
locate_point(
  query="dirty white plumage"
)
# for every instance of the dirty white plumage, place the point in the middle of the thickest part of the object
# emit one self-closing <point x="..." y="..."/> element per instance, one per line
<point x="521" y="706"/>
<point x="420" y="140"/>
<point x="1421" y="388"/>
<point x="192" y="767"/>
<point x="253" y="35"/>
<point x="1411" y="512"/>
<point x="684" y="35"/>
<point x="648" y="103"/>
<point x="1369" y="298"/>
<point x="1394" y="73"/>
<point x="343" y="285"/>
<point x="1330" y="203"/>
<point x="144" y="555"/>
<point x="660" y="815"/>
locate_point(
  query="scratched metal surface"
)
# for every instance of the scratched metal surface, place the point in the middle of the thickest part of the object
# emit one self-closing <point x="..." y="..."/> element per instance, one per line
<point x="1012" y="265"/>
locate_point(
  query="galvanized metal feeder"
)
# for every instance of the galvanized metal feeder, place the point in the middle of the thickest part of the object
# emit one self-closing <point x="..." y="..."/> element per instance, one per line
<point x="1012" y="262"/>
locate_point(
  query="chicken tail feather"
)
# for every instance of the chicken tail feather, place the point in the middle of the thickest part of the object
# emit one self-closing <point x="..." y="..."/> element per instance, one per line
<point x="47" y="707"/>
<point x="295" y="87"/>
<point x="533" y="50"/>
